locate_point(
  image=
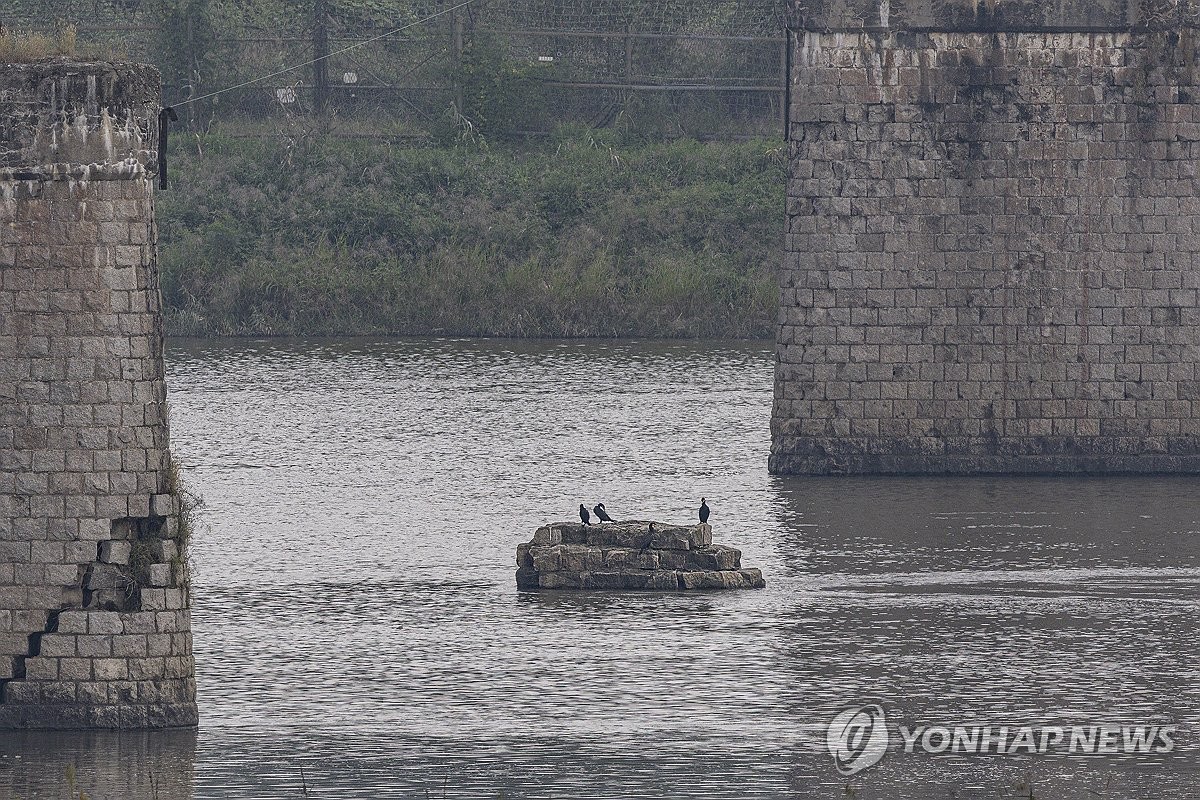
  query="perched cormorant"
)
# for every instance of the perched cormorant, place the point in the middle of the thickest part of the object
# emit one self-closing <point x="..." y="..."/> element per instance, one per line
<point x="601" y="514"/>
<point x="650" y="540"/>
<point x="583" y="515"/>
<point x="703" y="511"/>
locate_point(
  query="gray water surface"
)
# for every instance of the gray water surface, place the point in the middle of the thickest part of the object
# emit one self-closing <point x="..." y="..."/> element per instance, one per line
<point x="358" y="632"/>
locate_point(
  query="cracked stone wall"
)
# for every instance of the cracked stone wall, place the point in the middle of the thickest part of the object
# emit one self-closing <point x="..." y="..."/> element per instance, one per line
<point x="993" y="242"/>
<point x="94" y="606"/>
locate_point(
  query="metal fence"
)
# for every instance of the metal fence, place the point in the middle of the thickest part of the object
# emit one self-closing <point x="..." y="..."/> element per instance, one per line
<point x="512" y="67"/>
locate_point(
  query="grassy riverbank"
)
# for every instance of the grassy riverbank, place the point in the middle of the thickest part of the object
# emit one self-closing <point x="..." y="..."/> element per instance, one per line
<point x="576" y="236"/>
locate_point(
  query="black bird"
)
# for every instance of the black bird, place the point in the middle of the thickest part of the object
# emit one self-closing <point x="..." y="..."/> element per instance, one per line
<point x="703" y="512"/>
<point x="649" y="539"/>
<point x="601" y="513"/>
<point x="583" y="515"/>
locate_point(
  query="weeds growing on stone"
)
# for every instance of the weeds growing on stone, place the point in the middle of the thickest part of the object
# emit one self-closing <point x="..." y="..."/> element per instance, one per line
<point x="19" y="47"/>
<point x="189" y="504"/>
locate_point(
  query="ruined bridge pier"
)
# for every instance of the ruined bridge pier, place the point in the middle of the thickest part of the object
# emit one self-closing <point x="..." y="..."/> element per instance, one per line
<point x="993" y="238"/>
<point x="95" y="627"/>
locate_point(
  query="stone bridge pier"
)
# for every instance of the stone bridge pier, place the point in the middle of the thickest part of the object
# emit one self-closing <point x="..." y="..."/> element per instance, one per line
<point x="993" y="238"/>
<point x="94" y="603"/>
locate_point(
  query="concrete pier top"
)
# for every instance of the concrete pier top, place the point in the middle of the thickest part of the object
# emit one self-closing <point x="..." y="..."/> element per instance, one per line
<point x="991" y="15"/>
<point x="59" y="115"/>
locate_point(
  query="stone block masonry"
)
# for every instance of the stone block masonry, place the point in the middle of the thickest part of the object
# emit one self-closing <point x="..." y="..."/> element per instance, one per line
<point x="640" y="556"/>
<point x="94" y="605"/>
<point x="993" y="239"/>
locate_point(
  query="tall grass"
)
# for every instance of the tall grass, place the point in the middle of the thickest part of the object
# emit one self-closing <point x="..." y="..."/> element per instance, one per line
<point x="21" y="47"/>
<point x="583" y="235"/>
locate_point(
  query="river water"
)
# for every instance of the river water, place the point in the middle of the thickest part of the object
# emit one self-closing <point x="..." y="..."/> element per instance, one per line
<point x="358" y="633"/>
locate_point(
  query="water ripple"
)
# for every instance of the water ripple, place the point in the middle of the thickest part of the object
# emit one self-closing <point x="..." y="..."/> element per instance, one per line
<point x="356" y="615"/>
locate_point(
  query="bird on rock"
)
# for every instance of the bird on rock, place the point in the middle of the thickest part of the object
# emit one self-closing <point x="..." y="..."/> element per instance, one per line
<point x="650" y="538"/>
<point x="584" y="515"/>
<point x="601" y="514"/>
<point x="703" y="511"/>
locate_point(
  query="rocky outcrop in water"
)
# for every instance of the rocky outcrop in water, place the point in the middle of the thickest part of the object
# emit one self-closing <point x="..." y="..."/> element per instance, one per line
<point x="645" y="556"/>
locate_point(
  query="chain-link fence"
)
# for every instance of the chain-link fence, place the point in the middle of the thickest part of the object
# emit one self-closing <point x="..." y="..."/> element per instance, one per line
<point x="502" y="67"/>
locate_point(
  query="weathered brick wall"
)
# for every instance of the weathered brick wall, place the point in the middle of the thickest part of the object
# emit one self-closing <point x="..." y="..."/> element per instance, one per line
<point x="993" y="252"/>
<point x="1063" y="16"/>
<point x="94" y="621"/>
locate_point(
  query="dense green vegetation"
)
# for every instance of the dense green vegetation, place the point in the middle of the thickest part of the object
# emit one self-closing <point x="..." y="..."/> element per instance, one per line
<point x="585" y="234"/>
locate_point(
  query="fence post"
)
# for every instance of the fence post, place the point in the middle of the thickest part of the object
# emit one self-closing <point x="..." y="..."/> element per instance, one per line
<point x="193" y="70"/>
<point x="321" y="55"/>
<point x="628" y="94"/>
<point x="787" y="83"/>
<point x="628" y="55"/>
<point x="456" y="35"/>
